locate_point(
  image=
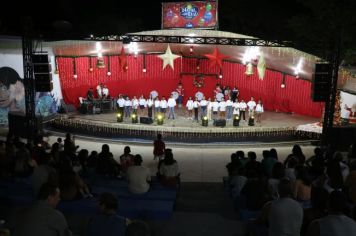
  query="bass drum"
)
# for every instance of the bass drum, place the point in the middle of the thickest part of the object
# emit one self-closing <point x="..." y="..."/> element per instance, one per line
<point x="199" y="96"/>
<point x="175" y="95"/>
<point x="153" y="94"/>
<point x="219" y="96"/>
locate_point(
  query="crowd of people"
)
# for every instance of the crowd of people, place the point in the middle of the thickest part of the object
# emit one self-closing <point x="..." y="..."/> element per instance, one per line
<point x="59" y="172"/>
<point x="223" y="105"/>
<point x="299" y="196"/>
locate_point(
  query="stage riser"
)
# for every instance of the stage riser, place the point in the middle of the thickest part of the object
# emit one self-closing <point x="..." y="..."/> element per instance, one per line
<point x="97" y="131"/>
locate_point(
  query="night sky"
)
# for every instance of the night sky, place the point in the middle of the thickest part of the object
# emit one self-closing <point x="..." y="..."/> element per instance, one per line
<point x="69" y="19"/>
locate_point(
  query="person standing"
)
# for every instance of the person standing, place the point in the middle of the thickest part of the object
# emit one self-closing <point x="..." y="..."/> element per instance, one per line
<point x="180" y="91"/>
<point x="196" y="108"/>
<point x="190" y="106"/>
<point x="203" y="106"/>
<point x="209" y="109"/>
<point x="163" y="106"/>
<point x="135" y="105"/>
<point x="99" y="90"/>
<point x="234" y="93"/>
<point x="243" y="107"/>
<point x="259" y="110"/>
<point x="142" y="104"/>
<point x="149" y="104"/>
<point x="105" y="92"/>
<point x="251" y="107"/>
<point x="229" y="107"/>
<point x="158" y="148"/>
<point x="121" y="104"/>
<point x="222" y="108"/>
<point x="236" y="108"/>
<point x="215" y="107"/>
<point x="171" y="104"/>
<point x="128" y="105"/>
<point x="157" y="106"/>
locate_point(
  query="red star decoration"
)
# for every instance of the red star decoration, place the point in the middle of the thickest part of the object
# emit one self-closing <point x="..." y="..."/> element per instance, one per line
<point x="123" y="59"/>
<point x="216" y="58"/>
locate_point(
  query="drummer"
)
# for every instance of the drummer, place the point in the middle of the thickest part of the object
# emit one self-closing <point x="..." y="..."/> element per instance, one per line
<point x="180" y="93"/>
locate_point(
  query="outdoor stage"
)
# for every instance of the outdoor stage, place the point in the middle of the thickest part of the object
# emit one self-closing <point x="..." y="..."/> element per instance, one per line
<point x="275" y="127"/>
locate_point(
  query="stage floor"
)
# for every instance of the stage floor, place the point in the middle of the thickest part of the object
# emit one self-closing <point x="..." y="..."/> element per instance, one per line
<point x="269" y="120"/>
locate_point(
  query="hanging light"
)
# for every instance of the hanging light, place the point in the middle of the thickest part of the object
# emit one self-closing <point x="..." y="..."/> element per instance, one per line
<point x="144" y="63"/>
<point x="75" y="76"/>
<point x="90" y="65"/>
<point x="283" y="85"/>
<point x="249" y="69"/>
<point x="191" y="50"/>
<point x="100" y="61"/>
<point x="198" y="64"/>
<point x="109" y="71"/>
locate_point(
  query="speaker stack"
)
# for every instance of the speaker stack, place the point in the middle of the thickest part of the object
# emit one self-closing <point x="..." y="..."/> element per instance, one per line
<point x="321" y="82"/>
<point x="42" y="71"/>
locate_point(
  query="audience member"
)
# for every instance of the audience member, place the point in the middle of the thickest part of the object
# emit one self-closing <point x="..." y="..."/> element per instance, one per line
<point x="107" y="222"/>
<point x="273" y="182"/>
<point x="126" y="159"/>
<point x="336" y="223"/>
<point x="42" y="218"/>
<point x="169" y="171"/>
<point x="138" y="176"/>
<point x="106" y="164"/>
<point x="302" y="186"/>
<point x="138" y="228"/>
<point x="158" y="148"/>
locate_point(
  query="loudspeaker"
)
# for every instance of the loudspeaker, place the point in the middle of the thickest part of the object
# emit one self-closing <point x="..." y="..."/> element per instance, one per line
<point x="42" y="71"/>
<point x="220" y="123"/>
<point x="17" y="124"/>
<point x="321" y="82"/>
<point x="146" y="120"/>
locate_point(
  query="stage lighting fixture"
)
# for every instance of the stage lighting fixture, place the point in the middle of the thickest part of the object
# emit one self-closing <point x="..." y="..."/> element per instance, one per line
<point x="205" y="121"/>
<point x="134" y="118"/>
<point x="120" y="117"/>
<point x="160" y="119"/>
<point x="236" y="121"/>
<point x="251" y="121"/>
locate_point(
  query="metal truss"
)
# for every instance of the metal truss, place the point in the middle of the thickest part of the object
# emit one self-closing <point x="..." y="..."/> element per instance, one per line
<point x="193" y="40"/>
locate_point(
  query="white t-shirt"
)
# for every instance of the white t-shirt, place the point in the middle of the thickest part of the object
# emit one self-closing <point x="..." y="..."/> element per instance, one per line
<point x="345" y="114"/>
<point x="243" y="106"/>
<point x="222" y="106"/>
<point x="171" y="102"/>
<point x="121" y="102"/>
<point x="251" y="105"/>
<point x="203" y="103"/>
<point x="128" y="103"/>
<point x="163" y="104"/>
<point x="105" y="92"/>
<point x="134" y="103"/>
<point x="169" y="171"/>
<point x="195" y="104"/>
<point x="236" y="107"/>
<point x="149" y="103"/>
<point x="189" y="105"/>
<point x="229" y="103"/>
<point x="215" y="106"/>
<point x="259" y="108"/>
<point x="99" y="90"/>
<point x="138" y="177"/>
<point x="142" y="102"/>
<point x="157" y="103"/>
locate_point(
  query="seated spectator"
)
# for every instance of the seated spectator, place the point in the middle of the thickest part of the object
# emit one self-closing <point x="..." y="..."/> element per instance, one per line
<point x="302" y="186"/>
<point x="316" y="163"/>
<point x="285" y="215"/>
<point x="126" y="159"/>
<point x="297" y="153"/>
<point x="42" y="218"/>
<point x="290" y="169"/>
<point x="268" y="162"/>
<point x="273" y="182"/>
<point x="24" y="164"/>
<point x="233" y="165"/>
<point x="334" y="179"/>
<point x="169" y="171"/>
<point x="106" y="164"/>
<point x="138" y="228"/>
<point x="138" y="176"/>
<point x="72" y="186"/>
<point x="93" y="159"/>
<point x="273" y="153"/>
<point x="237" y="182"/>
<point x="252" y="162"/>
<point x="43" y="173"/>
<point x="336" y="223"/>
<point x="345" y="171"/>
<point x="108" y="222"/>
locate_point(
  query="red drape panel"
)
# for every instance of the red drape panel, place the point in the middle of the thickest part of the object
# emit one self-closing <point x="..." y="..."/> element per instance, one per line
<point x="295" y="97"/>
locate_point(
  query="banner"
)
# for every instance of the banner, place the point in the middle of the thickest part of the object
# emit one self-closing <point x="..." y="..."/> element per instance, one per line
<point x="197" y="14"/>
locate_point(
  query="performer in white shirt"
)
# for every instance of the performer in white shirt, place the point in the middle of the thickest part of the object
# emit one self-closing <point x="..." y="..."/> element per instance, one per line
<point x="157" y="106"/>
<point x="190" y="107"/>
<point x="134" y="105"/>
<point x="128" y="105"/>
<point x="121" y="104"/>
<point x="215" y="108"/>
<point x="163" y="105"/>
<point x="259" y="111"/>
<point x="345" y="115"/>
<point x="99" y="90"/>
<point x="251" y="107"/>
<point x="243" y="107"/>
<point x="142" y="104"/>
<point x="149" y="105"/>
<point x="229" y="108"/>
<point x="236" y="108"/>
<point x="222" y="108"/>
<point x="171" y="104"/>
<point x="196" y="107"/>
<point x="203" y="105"/>
<point x="105" y="92"/>
<point x="209" y="109"/>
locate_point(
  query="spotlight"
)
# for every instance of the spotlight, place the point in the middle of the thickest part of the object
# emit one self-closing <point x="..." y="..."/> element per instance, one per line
<point x="160" y="119"/>
<point x="205" y="121"/>
<point x="120" y="117"/>
<point x="251" y="121"/>
<point x="134" y="118"/>
<point x="236" y="121"/>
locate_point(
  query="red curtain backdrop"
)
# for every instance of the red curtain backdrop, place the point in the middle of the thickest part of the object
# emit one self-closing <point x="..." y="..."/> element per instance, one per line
<point x="295" y="97"/>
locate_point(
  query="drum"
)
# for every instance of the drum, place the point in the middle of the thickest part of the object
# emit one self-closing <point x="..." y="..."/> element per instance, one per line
<point x="199" y="96"/>
<point x="175" y="95"/>
<point x="219" y="96"/>
<point x="153" y="94"/>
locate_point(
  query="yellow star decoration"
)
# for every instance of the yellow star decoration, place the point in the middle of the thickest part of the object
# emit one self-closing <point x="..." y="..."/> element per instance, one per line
<point x="168" y="58"/>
